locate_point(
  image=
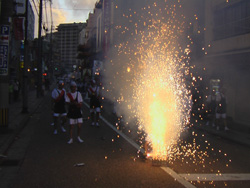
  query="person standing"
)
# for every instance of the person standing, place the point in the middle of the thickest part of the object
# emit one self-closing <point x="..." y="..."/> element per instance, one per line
<point x="211" y="104"/>
<point x="16" y="88"/>
<point x="58" y="96"/>
<point x="221" y="109"/>
<point x="95" y="105"/>
<point x="74" y="100"/>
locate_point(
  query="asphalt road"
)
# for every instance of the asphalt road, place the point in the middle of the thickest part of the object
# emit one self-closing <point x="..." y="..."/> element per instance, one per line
<point x="41" y="159"/>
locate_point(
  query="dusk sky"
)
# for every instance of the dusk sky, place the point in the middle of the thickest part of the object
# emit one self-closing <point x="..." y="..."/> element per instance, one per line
<point x="66" y="11"/>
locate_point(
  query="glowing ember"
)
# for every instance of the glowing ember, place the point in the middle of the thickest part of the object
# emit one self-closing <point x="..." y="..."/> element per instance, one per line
<point x="162" y="99"/>
<point x="149" y="75"/>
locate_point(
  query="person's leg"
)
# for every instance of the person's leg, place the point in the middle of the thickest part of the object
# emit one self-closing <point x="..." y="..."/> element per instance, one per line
<point x="63" y="121"/>
<point x="225" y="124"/>
<point x="55" y="117"/>
<point x="97" y="112"/>
<point x="92" y="112"/>
<point x="224" y="119"/>
<point x="79" y="125"/>
<point x="217" y="121"/>
<point x="92" y="116"/>
<point x="213" y="120"/>
<point x="71" y="128"/>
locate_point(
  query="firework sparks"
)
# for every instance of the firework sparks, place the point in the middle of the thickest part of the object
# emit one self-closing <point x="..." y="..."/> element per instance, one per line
<point x="161" y="93"/>
<point x="152" y="73"/>
<point x="149" y="79"/>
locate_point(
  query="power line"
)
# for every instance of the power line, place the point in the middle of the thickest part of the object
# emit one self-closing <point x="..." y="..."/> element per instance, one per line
<point x="46" y="16"/>
<point x="34" y="5"/>
<point x="78" y="9"/>
<point x="51" y="16"/>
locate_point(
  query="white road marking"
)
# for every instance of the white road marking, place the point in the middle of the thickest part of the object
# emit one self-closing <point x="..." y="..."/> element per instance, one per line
<point x="123" y="135"/>
<point x="119" y="132"/>
<point x="183" y="178"/>
<point x="168" y="170"/>
<point x="216" y="177"/>
<point x="180" y="179"/>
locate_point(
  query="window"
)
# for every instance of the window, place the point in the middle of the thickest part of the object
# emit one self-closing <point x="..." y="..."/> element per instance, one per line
<point x="232" y="21"/>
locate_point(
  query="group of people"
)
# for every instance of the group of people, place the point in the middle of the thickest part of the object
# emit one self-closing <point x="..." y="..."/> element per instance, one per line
<point x="73" y="99"/>
<point x="217" y="105"/>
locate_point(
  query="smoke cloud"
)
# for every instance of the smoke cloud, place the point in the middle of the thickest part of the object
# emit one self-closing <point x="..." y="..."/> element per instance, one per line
<point x="145" y="75"/>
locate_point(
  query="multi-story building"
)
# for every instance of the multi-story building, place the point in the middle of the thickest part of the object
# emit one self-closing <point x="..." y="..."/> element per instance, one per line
<point x="221" y="40"/>
<point x="94" y="30"/>
<point x="82" y="36"/>
<point x="31" y="23"/>
<point x="68" y="41"/>
<point x="17" y="22"/>
<point x="227" y="42"/>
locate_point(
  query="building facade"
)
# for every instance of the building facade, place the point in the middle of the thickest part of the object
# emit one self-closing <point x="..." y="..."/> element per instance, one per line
<point x="68" y="41"/>
<point x="31" y="23"/>
<point x="221" y="36"/>
<point x="227" y="40"/>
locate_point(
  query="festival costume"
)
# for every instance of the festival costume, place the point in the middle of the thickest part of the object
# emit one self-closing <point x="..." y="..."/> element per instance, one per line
<point x="59" y="99"/>
<point x="94" y="99"/>
<point x="221" y="107"/>
<point x="74" y="111"/>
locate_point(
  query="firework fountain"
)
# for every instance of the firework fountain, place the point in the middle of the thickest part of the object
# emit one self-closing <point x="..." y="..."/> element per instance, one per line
<point x="148" y="77"/>
<point x="148" y="73"/>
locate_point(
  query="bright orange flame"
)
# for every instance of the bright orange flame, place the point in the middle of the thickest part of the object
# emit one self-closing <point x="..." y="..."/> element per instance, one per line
<point x="155" y="92"/>
<point x="128" y="69"/>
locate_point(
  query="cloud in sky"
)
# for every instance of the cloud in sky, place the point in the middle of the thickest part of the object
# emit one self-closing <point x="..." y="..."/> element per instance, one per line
<point x="75" y="10"/>
<point x="59" y="16"/>
<point x="67" y="11"/>
<point x="80" y="3"/>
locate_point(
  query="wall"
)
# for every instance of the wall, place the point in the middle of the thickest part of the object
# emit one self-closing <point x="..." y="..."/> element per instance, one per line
<point x="228" y="60"/>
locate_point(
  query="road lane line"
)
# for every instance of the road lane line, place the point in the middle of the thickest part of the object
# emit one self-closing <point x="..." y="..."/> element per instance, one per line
<point x="119" y="132"/>
<point x="216" y="177"/>
<point x="183" y="178"/>
<point x="166" y="169"/>
<point x="123" y="135"/>
<point x="178" y="178"/>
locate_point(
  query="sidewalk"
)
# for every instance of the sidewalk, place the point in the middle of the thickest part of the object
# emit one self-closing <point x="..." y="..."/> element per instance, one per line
<point x="235" y="133"/>
<point x="17" y="119"/>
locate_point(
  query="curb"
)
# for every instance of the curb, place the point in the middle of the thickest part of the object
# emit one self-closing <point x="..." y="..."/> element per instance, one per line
<point x="236" y="137"/>
<point x="23" y="122"/>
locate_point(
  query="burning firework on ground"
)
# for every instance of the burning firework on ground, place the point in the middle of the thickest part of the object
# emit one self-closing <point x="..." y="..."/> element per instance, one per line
<point x="161" y="95"/>
<point x="151" y="74"/>
<point x="149" y="80"/>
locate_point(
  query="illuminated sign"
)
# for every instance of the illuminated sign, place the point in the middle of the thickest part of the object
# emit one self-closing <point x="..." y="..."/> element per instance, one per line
<point x="4" y="49"/>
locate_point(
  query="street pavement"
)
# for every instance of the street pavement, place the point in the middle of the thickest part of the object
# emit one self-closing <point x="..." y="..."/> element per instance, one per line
<point x="48" y="161"/>
<point x="18" y="121"/>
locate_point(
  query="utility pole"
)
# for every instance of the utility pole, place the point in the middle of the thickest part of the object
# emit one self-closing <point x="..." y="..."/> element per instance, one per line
<point x="51" y="44"/>
<point x="24" y="83"/>
<point x="40" y="45"/>
<point x="5" y="27"/>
